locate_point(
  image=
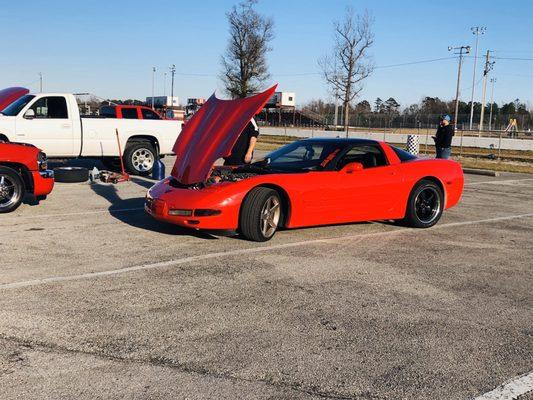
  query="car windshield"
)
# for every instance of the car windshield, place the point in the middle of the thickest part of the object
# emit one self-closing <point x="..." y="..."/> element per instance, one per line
<point x="303" y="155"/>
<point x="15" y="107"/>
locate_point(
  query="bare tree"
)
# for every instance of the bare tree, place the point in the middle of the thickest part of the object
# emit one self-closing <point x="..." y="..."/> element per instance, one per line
<point x="244" y="65"/>
<point x="349" y="64"/>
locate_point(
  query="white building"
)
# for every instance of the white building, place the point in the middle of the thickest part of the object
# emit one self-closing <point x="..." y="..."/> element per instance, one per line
<point x="163" y="101"/>
<point x="282" y="99"/>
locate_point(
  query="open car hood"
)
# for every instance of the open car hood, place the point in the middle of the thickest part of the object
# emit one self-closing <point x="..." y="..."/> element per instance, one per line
<point x="9" y="95"/>
<point x="211" y="133"/>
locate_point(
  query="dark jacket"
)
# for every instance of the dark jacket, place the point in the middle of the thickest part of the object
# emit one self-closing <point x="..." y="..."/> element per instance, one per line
<point x="241" y="146"/>
<point x="444" y="135"/>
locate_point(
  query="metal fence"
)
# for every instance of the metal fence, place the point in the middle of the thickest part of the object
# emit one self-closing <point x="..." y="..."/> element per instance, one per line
<point x="418" y="124"/>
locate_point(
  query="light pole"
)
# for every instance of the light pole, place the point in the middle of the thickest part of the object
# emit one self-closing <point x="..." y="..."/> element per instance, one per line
<point x="172" y="71"/>
<point x="40" y="82"/>
<point x="165" y="84"/>
<point x="153" y="85"/>
<point x="492" y="80"/>
<point x="476" y="30"/>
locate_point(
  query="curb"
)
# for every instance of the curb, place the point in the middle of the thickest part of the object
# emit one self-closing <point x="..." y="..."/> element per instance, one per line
<point x="485" y="172"/>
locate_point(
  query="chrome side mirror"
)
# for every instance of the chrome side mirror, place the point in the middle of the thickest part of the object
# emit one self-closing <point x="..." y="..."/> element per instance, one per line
<point x="30" y="114"/>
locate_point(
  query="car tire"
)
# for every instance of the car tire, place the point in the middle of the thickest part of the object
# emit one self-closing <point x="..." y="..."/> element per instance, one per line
<point x="260" y="214"/>
<point x="425" y="205"/>
<point x="140" y="157"/>
<point x="12" y="190"/>
<point x="71" y="174"/>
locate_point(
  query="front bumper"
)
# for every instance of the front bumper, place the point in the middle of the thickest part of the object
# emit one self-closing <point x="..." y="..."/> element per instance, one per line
<point x="159" y="209"/>
<point x="163" y="198"/>
<point x="43" y="182"/>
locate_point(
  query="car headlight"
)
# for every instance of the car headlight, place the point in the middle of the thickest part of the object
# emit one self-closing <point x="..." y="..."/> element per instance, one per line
<point x="42" y="161"/>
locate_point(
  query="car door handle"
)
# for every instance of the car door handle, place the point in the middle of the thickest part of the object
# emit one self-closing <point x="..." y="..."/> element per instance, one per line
<point x="65" y="126"/>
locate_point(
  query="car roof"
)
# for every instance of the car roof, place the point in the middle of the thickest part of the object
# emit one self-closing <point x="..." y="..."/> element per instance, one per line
<point x="342" y="140"/>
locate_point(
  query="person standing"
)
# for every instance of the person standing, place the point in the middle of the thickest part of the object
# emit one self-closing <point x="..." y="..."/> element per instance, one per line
<point x="443" y="138"/>
<point x="243" y="149"/>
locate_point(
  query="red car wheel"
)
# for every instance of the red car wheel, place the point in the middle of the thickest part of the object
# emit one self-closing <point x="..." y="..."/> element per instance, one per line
<point x="425" y="205"/>
<point x="11" y="190"/>
<point x="260" y="214"/>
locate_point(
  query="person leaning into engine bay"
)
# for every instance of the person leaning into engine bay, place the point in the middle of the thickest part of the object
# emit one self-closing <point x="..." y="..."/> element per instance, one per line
<point x="243" y="150"/>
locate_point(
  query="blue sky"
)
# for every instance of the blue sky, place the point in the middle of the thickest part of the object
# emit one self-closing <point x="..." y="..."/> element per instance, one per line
<point x="109" y="47"/>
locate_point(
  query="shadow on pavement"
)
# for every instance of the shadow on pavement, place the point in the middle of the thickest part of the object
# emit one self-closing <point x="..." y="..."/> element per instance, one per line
<point x="138" y="218"/>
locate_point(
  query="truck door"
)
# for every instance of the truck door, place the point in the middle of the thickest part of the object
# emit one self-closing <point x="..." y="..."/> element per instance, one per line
<point x="46" y="124"/>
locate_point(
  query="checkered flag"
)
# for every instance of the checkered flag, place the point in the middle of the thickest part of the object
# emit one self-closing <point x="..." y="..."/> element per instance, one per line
<point x="413" y="144"/>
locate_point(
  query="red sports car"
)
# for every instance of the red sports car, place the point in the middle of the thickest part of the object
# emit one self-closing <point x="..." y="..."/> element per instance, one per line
<point x="306" y="183"/>
<point x="23" y="169"/>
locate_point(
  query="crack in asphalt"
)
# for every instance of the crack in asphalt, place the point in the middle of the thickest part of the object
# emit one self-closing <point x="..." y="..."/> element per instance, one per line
<point x="37" y="345"/>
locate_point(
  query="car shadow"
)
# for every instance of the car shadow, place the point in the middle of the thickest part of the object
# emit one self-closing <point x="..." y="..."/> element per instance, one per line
<point x="131" y="212"/>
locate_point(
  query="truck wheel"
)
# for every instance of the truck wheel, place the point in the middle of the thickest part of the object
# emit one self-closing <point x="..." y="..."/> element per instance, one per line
<point x="71" y="174"/>
<point x="260" y="214"/>
<point x="139" y="158"/>
<point x="11" y="190"/>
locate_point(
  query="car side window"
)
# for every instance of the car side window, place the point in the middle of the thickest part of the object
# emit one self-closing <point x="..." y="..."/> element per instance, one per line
<point x="129" y="113"/>
<point x="149" y="114"/>
<point x="368" y="155"/>
<point x="53" y="107"/>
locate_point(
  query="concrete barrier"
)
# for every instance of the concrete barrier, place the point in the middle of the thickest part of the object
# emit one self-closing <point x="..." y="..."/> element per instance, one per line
<point x="468" y="141"/>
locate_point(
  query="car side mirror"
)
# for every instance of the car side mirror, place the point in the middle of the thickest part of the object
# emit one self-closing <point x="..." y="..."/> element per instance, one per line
<point x="30" y="114"/>
<point x="352" y="167"/>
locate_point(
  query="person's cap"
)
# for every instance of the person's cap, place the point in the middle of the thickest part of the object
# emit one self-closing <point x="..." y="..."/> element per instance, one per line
<point x="446" y="117"/>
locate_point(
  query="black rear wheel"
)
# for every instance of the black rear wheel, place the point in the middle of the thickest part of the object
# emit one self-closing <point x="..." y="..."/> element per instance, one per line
<point x="11" y="190"/>
<point x="260" y="214"/>
<point x="425" y="205"/>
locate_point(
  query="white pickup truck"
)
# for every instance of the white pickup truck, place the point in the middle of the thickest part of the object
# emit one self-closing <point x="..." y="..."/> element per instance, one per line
<point x="52" y="122"/>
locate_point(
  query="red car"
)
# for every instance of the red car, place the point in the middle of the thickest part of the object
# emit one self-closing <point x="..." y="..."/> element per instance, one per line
<point x="23" y="169"/>
<point x="306" y="183"/>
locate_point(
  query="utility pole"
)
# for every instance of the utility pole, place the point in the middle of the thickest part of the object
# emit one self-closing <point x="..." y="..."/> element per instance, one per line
<point x="153" y="85"/>
<point x="172" y="71"/>
<point x="335" y="120"/>
<point x="488" y="67"/>
<point x="462" y="51"/>
<point x="40" y="82"/>
<point x="476" y="30"/>
<point x="492" y="80"/>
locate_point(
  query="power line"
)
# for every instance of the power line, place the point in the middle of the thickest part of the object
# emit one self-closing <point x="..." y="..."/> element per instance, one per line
<point x="416" y="62"/>
<point x="513" y="58"/>
<point x="318" y="73"/>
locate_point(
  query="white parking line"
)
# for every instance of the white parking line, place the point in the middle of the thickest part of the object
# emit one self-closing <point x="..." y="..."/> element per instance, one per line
<point x="180" y="261"/>
<point x="497" y="182"/>
<point x="107" y="210"/>
<point x="511" y="389"/>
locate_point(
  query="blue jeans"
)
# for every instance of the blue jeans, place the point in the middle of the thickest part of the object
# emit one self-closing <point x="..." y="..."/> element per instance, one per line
<point x="444" y="152"/>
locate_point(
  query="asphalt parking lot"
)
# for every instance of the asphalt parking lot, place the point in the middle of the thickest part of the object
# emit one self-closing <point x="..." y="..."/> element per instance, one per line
<point x="99" y="301"/>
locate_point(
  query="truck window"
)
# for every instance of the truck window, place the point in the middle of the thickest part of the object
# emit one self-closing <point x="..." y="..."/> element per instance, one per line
<point x="108" y="112"/>
<point x="149" y="114"/>
<point x="53" y="107"/>
<point x="129" y="113"/>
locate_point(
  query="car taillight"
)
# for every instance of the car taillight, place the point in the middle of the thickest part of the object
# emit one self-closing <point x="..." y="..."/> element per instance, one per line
<point x="42" y="161"/>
